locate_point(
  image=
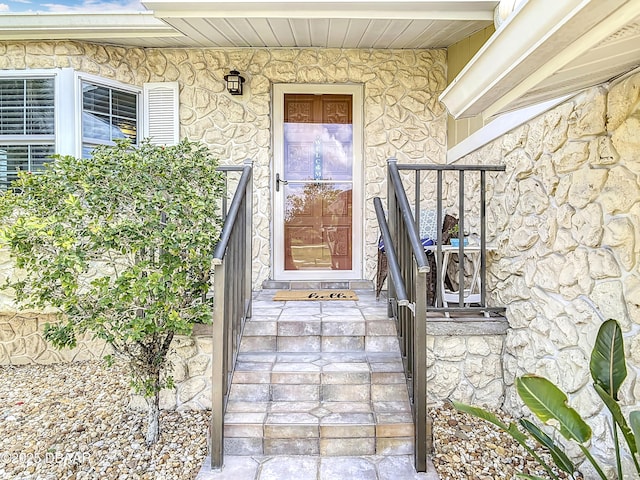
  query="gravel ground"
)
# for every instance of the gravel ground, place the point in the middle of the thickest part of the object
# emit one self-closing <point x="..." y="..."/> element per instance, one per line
<point x="472" y="449"/>
<point x="71" y="421"/>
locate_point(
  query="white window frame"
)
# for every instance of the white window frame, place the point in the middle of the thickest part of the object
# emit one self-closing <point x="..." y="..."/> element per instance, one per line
<point x="105" y="82"/>
<point x="58" y="75"/>
<point x="68" y="103"/>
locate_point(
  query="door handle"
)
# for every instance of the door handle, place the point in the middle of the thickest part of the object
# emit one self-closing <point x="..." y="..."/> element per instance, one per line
<point x="279" y="181"/>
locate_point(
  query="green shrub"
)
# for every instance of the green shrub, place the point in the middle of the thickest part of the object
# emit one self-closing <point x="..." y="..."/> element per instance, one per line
<point x="120" y="245"/>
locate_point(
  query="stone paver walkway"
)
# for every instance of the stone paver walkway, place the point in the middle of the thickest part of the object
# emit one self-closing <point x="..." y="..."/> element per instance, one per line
<point x="298" y="467"/>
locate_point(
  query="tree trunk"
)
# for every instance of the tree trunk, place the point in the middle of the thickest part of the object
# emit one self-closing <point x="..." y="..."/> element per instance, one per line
<point x="153" y="414"/>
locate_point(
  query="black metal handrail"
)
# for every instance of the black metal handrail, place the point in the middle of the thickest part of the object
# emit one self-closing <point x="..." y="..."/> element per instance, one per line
<point x="394" y="269"/>
<point x="232" y="300"/>
<point x="462" y="172"/>
<point x="406" y="290"/>
<point x="408" y="267"/>
<point x="400" y="197"/>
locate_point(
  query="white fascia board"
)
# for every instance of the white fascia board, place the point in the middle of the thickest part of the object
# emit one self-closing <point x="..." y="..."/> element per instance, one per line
<point x="82" y="25"/>
<point x="500" y="126"/>
<point x="535" y="42"/>
<point x="313" y="9"/>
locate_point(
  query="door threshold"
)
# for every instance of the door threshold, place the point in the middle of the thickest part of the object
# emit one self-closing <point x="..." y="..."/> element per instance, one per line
<point x="318" y="284"/>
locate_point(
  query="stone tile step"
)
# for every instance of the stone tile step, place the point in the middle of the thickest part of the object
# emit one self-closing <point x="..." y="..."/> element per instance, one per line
<point x="325" y="422"/>
<point x="325" y="392"/>
<point x="319" y="422"/>
<point x="382" y="410"/>
<point x="317" y="343"/>
<point x="373" y="361"/>
<point x="330" y="324"/>
<point x="286" y="374"/>
<point x="334" y="447"/>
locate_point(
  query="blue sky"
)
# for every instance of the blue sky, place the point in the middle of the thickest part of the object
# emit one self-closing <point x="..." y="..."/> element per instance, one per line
<point x="60" y="6"/>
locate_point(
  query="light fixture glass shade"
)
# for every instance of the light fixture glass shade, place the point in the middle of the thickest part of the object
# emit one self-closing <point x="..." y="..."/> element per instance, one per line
<point x="234" y="82"/>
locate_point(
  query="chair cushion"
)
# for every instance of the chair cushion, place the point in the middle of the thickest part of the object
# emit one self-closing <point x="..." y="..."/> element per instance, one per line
<point x="428" y="229"/>
<point x="429" y="224"/>
<point x="426" y="242"/>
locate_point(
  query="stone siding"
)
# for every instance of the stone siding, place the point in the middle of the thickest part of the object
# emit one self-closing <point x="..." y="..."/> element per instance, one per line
<point x="467" y="368"/>
<point x="402" y="115"/>
<point x="565" y="223"/>
<point x="22" y="343"/>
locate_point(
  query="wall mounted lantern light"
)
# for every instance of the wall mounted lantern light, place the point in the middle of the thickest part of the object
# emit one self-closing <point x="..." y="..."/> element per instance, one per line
<point x="234" y="82"/>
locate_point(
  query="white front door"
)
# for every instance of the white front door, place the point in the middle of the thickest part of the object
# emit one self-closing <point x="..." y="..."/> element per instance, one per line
<point x="317" y="182"/>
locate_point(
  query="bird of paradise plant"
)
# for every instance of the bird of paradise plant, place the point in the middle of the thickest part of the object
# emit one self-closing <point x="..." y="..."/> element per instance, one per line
<point x="550" y="404"/>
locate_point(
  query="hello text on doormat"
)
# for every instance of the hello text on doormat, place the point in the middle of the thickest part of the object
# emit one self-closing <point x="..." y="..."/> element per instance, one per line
<point x="315" y="295"/>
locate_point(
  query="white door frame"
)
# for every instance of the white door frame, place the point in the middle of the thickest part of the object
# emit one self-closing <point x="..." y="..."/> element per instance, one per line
<point x="277" y="225"/>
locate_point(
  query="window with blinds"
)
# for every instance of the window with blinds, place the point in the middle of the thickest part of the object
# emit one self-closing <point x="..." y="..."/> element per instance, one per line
<point x="108" y="114"/>
<point x="27" y="126"/>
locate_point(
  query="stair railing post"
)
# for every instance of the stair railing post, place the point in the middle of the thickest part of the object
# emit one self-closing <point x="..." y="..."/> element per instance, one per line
<point x="218" y="370"/>
<point x="422" y="435"/>
<point x="248" y="247"/>
<point x="393" y="229"/>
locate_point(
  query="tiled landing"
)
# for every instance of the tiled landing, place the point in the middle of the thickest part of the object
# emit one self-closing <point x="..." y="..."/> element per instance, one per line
<point x="396" y="467"/>
<point x="318" y="393"/>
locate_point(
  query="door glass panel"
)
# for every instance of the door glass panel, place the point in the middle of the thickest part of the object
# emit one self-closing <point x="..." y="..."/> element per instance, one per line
<point x="318" y="166"/>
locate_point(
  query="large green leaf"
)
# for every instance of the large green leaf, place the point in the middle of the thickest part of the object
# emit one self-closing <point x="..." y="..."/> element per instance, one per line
<point x="608" y="367"/>
<point x="634" y="420"/>
<point x="618" y="417"/>
<point x="559" y="457"/>
<point x="549" y="404"/>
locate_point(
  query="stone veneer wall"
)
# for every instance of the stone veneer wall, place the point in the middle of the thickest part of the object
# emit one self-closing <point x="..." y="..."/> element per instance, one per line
<point x="22" y="343"/>
<point x="466" y="367"/>
<point x="565" y="222"/>
<point x="402" y="115"/>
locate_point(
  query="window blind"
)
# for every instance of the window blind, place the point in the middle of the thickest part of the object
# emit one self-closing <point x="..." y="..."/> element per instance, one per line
<point x="27" y="126"/>
<point x="108" y="114"/>
<point x="27" y="106"/>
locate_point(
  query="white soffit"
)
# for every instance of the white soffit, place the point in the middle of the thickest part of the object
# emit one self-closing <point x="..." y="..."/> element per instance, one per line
<point x="329" y="24"/>
<point x="546" y="49"/>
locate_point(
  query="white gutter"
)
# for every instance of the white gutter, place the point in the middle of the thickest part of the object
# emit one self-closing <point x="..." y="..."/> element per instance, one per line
<point x="16" y="26"/>
<point x="534" y="43"/>
<point x="355" y="9"/>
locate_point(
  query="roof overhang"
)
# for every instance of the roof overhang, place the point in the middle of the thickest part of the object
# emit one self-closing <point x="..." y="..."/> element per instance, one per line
<point x="127" y="28"/>
<point x="249" y="23"/>
<point x="325" y="24"/>
<point x="546" y="49"/>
